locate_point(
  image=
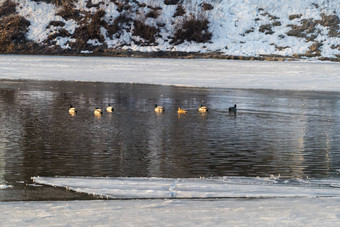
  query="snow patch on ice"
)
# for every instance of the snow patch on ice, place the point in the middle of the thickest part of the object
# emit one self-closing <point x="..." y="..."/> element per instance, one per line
<point x="222" y="187"/>
<point x="3" y="186"/>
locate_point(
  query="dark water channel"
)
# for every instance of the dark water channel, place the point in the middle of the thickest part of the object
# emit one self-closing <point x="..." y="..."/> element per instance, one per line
<point x="294" y="134"/>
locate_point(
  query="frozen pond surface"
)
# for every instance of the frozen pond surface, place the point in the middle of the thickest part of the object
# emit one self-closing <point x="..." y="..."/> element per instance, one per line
<point x="291" y="133"/>
<point x="317" y="76"/>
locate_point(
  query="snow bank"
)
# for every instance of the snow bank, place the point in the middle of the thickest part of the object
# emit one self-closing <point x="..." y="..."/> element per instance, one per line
<point x="202" y="73"/>
<point x="229" y="212"/>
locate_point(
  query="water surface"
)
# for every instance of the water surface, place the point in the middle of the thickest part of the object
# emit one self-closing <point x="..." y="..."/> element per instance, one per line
<point x="286" y="133"/>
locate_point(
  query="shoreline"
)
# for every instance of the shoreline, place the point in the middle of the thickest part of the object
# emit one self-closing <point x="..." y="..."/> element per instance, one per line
<point x="178" y="55"/>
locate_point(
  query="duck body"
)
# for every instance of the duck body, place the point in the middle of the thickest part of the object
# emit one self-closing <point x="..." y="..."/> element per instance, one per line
<point x="97" y="111"/>
<point x="109" y="108"/>
<point x="180" y="110"/>
<point x="203" y="109"/>
<point x="72" y="110"/>
<point x="233" y="108"/>
<point x="159" y="108"/>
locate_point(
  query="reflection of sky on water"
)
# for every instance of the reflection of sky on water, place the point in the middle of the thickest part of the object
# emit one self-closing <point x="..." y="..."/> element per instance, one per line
<point x="294" y="134"/>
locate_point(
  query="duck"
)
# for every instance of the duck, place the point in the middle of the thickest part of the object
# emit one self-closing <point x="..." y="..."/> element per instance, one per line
<point x="72" y="110"/>
<point x="159" y="108"/>
<point x="203" y="108"/>
<point x="97" y="111"/>
<point x="180" y="110"/>
<point x="109" y="108"/>
<point x="233" y="108"/>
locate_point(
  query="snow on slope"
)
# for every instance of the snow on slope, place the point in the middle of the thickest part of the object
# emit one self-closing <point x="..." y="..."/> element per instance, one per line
<point x="245" y="15"/>
<point x="238" y="27"/>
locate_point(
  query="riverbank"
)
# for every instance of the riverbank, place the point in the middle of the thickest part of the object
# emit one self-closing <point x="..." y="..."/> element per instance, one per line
<point x="243" y="30"/>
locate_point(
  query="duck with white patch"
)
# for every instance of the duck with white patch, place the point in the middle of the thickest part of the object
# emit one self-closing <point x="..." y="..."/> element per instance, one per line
<point x="72" y="110"/>
<point x="203" y="108"/>
<point x="98" y="111"/>
<point x="109" y="108"/>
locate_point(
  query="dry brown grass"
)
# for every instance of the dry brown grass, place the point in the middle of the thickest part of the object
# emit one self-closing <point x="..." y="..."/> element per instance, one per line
<point x="180" y="11"/>
<point x="295" y="16"/>
<point x="67" y="10"/>
<point x="8" y="7"/>
<point x="153" y="14"/>
<point x="89" y="29"/>
<point x="13" y="33"/>
<point x="308" y="27"/>
<point x="120" y="23"/>
<point x="148" y="33"/>
<point x="266" y="29"/>
<point x="314" y="50"/>
<point x="333" y="23"/>
<point x="171" y="2"/>
<point x="206" y="6"/>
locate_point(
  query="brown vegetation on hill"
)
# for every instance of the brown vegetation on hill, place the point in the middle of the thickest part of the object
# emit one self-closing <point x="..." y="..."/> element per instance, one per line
<point x="13" y="28"/>
<point x="193" y="28"/>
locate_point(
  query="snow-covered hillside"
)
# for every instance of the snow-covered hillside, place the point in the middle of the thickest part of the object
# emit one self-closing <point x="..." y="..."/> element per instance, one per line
<point x="242" y="28"/>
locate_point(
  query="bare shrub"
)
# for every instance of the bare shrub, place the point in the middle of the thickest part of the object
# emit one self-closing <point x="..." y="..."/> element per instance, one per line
<point x="252" y="29"/>
<point x="89" y="29"/>
<point x="335" y="46"/>
<point x="13" y="32"/>
<point x="144" y="31"/>
<point x="55" y="2"/>
<point x="314" y="50"/>
<point x="332" y="22"/>
<point x="295" y="16"/>
<point x="171" y="2"/>
<point x="308" y="26"/>
<point x="122" y="5"/>
<point x="180" y="11"/>
<point x="280" y="48"/>
<point x="68" y="10"/>
<point x="60" y="33"/>
<point x="272" y="17"/>
<point x="120" y="23"/>
<point x="206" y="6"/>
<point x="8" y="7"/>
<point x="266" y="29"/>
<point x="153" y="14"/>
<point x="56" y="24"/>
<point x="193" y="28"/>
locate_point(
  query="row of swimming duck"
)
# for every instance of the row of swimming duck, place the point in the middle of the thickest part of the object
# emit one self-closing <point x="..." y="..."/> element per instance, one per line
<point x="97" y="111"/>
<point x="202" y="108"/>
<point x="159" y="109"/>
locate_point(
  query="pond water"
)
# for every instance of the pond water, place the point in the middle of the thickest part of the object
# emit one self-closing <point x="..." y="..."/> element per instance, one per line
<point x="288" y="133"/>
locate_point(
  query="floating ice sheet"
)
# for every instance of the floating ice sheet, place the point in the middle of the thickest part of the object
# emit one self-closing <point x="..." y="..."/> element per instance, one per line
<point x="223" y="187"/>
<point x="316" y="76"/>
